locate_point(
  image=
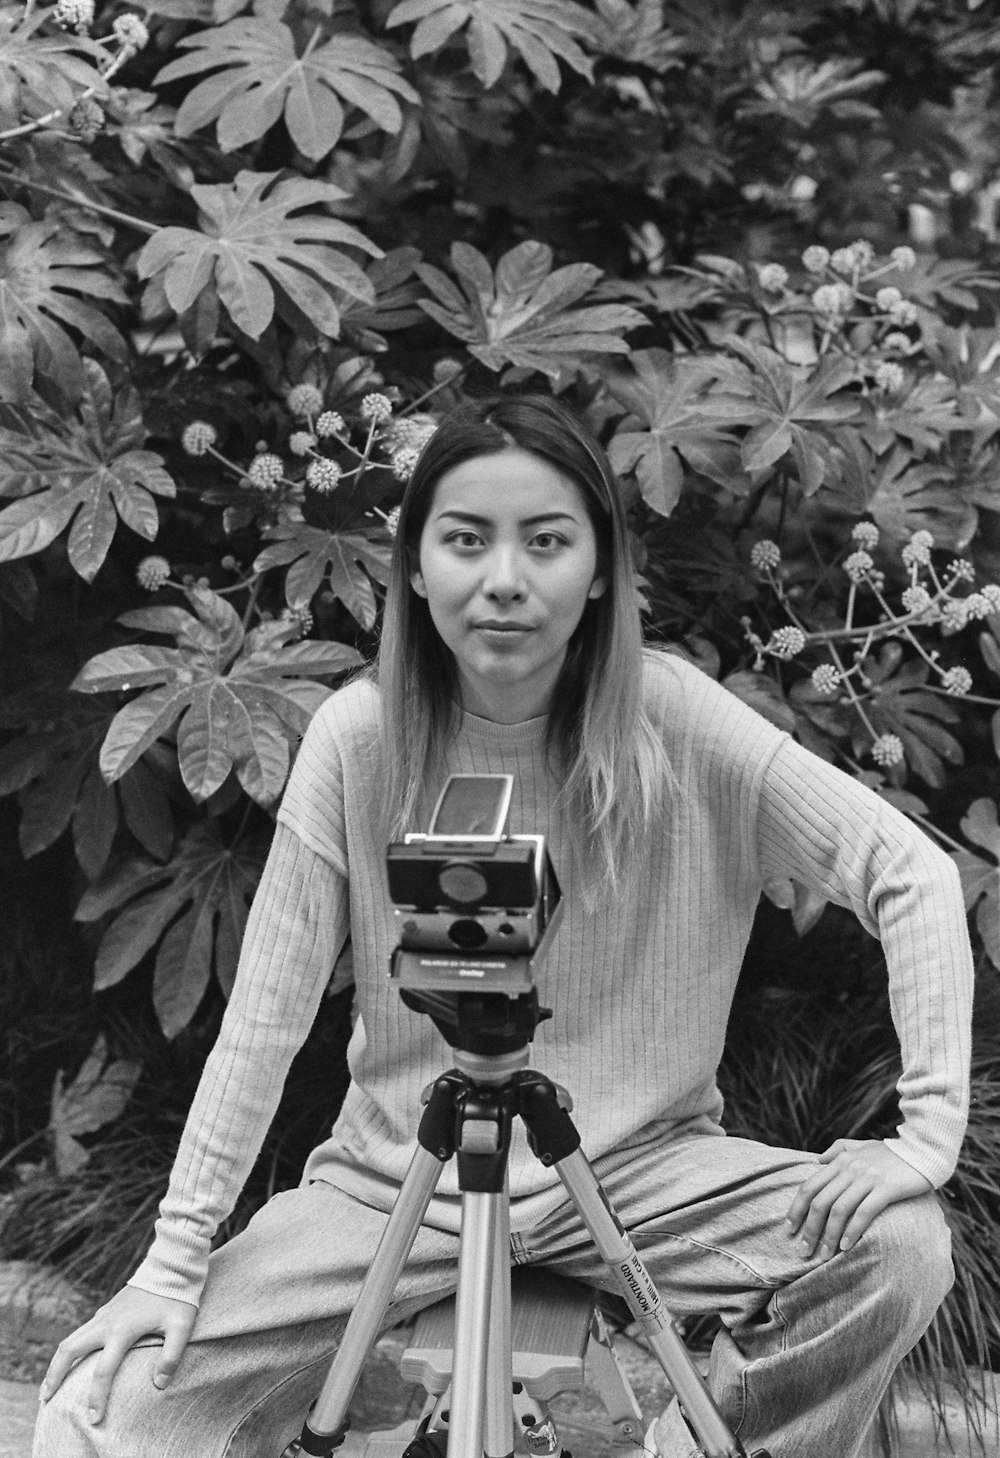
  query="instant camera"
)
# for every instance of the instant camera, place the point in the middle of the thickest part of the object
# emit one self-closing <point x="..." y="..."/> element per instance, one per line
<point x="475" y="908"/>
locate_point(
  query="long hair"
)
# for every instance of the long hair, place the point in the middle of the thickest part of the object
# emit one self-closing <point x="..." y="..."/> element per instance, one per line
<point x="600" y="740"/>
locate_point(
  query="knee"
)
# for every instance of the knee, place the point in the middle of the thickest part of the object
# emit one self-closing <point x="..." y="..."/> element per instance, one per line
<point x="63" y="1425"/>
<point x="907" y="1253"/>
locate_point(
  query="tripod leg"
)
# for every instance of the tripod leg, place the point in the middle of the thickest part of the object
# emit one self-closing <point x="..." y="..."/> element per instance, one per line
<point x="555" y="1140"/>
<point x="644" y="1301"/>
<point x="472" y="1324"/>
<point x="326" y="1419"/>
<point x="498" y="1432"/>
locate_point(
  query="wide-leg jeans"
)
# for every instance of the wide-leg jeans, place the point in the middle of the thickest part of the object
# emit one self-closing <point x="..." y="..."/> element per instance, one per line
<point x="804" y="1355"/>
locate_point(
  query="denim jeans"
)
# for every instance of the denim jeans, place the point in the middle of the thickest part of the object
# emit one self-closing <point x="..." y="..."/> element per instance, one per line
<point x="804" y="1354"/>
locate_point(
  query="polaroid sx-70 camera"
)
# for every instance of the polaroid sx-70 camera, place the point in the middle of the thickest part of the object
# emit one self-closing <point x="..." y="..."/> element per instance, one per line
<point x="475" y="908"/>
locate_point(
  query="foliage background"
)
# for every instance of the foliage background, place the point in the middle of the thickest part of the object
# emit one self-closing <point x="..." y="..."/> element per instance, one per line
<point x="247" y="251"/>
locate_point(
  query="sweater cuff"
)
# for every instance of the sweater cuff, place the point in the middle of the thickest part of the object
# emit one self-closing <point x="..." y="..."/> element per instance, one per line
<point x="935" y="1165"/>
<point x="175" y="1266"/>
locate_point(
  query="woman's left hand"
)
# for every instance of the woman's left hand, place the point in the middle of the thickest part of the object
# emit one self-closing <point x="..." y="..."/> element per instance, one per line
<point x="855" y="1180"/>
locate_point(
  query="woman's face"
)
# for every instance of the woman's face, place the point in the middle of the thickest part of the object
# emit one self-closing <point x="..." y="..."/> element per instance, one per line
<point x="507" y="563"/>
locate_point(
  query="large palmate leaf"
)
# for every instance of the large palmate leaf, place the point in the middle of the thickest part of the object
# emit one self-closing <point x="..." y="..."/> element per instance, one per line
<point x="666" y="427"/>
<point x="250" y="243"/>
<point x="521" y="315"/>
<point x="799" y="90"/>
<point x="981" y="877"/>
<point x="47" y="275"/>
<point x="55" y="768"/>
<point x="96" y="1096"/>
<point x="350" y="559"/>
<point x="265" y="75"/>
<point x="925" y="415"/>
<point x="900" y="704"/>
<point x="239" y="700"/>
<point x="41" y="73"/>
<point x="193" y="910"/>
<point x="87" y="469"/>
<point x="634" y="31"/>
<point x="903" y="496"/>
<point x="396" y="306"/>
<point x="541" y="31"/>
<point x="786" y="408"/>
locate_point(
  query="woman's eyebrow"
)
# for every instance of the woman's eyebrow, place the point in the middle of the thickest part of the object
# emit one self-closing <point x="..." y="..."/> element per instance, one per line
<point x="471" y="516"/>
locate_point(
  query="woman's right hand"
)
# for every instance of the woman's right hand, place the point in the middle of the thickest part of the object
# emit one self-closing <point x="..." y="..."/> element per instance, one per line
<point x="115" y="1327"/>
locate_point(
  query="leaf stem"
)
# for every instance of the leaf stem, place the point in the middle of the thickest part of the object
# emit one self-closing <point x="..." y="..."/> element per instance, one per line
<point x="83" y="202"/>
<point x="256" y="586"/>
<point x="441" y="385"/>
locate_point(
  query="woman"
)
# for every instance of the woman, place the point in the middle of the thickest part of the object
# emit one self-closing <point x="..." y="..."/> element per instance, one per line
<point x="512" y="643"/>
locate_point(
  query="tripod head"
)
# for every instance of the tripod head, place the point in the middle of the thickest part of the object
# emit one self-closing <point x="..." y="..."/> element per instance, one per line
<point x="476" y="909"/>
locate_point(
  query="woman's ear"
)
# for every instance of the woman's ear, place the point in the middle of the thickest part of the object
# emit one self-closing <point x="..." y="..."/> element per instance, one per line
<point x="417" y="583"/>
<point x="598" y="587"/>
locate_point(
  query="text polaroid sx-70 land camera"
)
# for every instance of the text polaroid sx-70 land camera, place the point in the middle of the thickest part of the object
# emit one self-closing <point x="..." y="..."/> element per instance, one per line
<point x="474" y="906"/>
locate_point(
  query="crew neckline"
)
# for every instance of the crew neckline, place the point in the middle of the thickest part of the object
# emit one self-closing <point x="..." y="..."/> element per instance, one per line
<point x="525" y="731"/>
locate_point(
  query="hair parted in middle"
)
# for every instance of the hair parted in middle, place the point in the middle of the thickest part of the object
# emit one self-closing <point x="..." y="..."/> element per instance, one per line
<point x="613" y="763"/>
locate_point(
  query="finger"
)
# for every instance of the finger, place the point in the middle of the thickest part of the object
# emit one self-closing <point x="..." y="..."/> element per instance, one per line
<point x="839" y="1146"/>
<point x="104" y="1374"/>
<point x="873" y="1204"/>
<point x="815" y="1224"/>
<point x="806" y="1194"/>
<point x="173" y="1349"/>
<point x="840" y="1213"/>
<point x="71" y="1349"/>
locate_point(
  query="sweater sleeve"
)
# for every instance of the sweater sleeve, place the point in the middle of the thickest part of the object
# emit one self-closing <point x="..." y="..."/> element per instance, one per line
<point x="835" y="835"/>
<point x="297" y="926"/>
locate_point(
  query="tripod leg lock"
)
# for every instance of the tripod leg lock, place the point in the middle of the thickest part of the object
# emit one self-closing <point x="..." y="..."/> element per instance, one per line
<point x="316" y="1445"/>
<point x="552" y="1134"/>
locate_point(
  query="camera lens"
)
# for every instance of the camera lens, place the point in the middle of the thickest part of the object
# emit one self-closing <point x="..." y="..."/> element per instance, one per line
<point x="462" y="883"/>
<point x="467" y="934"/>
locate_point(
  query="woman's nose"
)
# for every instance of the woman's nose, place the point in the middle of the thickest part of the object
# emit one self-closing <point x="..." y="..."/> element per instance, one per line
<point x="505" y="576"/>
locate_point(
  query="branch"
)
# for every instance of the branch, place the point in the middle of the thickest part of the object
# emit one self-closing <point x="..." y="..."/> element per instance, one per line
<point x="84" y="202"/>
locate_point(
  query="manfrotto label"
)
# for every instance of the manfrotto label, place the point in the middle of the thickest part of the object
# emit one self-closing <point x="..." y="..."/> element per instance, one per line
<point x="640" y="1285"/>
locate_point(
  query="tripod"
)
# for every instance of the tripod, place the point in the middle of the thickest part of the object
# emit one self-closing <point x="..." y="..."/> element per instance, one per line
<point x="469" y="1113"/>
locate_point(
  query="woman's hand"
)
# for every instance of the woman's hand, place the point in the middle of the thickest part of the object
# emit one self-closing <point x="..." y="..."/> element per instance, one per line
<point x="115" y="1327"/>
<point x="855" y="1180"/>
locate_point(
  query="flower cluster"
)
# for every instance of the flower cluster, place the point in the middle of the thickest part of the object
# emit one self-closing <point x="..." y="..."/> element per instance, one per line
<point x="131" y="32"/>
<point x="266" y="471"/>
<point x="304" y="401"/>
<point x="152" y="573"/>
<point x="75" y="15"/>
<point x="935" y="596"/>
<point x="199" y="437"/>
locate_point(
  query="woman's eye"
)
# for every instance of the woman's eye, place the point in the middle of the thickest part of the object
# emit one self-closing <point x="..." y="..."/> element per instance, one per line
<point x="464" y="539"/>
<point x="547" y="541"/>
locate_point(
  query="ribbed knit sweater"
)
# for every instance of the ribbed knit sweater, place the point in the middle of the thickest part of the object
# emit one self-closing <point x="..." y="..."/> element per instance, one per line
<point x="641" y="986"/>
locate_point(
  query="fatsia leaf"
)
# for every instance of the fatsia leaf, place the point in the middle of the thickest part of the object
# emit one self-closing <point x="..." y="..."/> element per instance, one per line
<point x="903" y="496"/>
<point x="981" y="877"/>
<point x="637" y="34"/>
<point x="53" y="765"/>
<point x="350" y="559"/>
<point x="543" y="32"/>
<point x="522" y="314"/>
<point x="237" y="701"/>
<point x="899" y="703"/>
<point x="798" y="90"/>
<point x="251" y="244"/>
<point x="49" y="276"/>
<point x="924" y="415"/>
<point x="43" y="72"/>
<point x="84" y="471"/>
<point x="265" y="76"/>
<point x="787" y="408"/>
<point x="97" y="1095"/>
<point x="193" y="910"/>
<point x="666" y="427"/>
